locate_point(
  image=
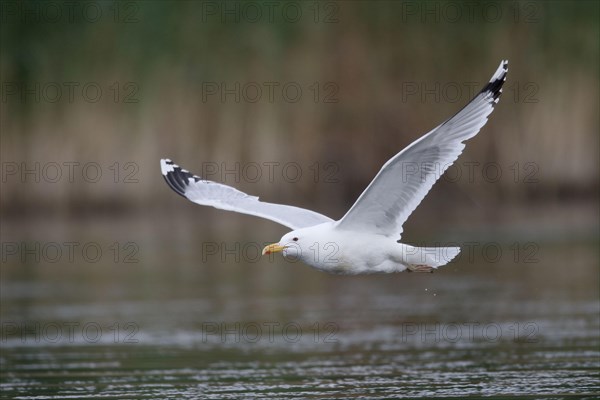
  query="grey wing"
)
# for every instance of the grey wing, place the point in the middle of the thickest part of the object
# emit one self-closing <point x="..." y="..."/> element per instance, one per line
<point x="208" y="193"/>
<point x="406" y="178"/>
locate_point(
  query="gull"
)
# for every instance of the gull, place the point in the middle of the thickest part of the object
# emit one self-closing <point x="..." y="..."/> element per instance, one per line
<point x="367" y="238"/>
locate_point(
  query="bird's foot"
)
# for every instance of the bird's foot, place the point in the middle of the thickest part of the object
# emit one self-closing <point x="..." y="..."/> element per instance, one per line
<point x="420" y="268"/>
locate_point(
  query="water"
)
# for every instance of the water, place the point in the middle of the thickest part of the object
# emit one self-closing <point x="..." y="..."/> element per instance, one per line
<point x="186" y="319"/>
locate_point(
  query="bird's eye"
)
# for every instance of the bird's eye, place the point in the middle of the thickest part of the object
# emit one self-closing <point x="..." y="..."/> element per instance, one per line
<point x="295" y="239"/>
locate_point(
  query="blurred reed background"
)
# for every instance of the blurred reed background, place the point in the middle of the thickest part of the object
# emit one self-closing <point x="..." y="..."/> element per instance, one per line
<point x="392" y="71"/>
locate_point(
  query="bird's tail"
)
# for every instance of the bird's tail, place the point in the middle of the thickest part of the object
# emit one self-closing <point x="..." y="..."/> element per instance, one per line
<point x="433" y="257"/>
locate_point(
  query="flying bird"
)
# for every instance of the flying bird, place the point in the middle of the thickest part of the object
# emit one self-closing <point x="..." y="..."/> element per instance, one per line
<point x="366" y="239"/>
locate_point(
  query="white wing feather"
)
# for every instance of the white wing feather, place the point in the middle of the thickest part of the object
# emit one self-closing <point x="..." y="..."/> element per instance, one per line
<point x="405" y="179"/>
<point x="208" y="193"/>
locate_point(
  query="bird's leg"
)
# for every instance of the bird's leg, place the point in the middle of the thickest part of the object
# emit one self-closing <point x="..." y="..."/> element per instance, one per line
<point x="419" y="268"/>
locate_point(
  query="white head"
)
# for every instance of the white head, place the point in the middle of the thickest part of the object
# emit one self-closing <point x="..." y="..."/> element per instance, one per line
<point x="292" y="245"/>
<point x="304" y="244"/>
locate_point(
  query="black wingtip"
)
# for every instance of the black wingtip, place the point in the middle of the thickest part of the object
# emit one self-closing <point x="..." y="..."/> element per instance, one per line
<point x="177" y="178"/>
<point x="494" y="87"/>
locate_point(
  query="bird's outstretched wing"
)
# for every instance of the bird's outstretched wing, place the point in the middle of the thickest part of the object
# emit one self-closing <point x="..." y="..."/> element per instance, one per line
<point x="208" y="193"/>
<point x="406" y="178"/>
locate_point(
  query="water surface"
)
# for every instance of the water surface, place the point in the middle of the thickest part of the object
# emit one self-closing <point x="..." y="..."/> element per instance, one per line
<point x="189" y="317"/>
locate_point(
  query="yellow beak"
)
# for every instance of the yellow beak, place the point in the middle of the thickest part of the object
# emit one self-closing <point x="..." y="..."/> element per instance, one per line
<point x="272" y="248"/>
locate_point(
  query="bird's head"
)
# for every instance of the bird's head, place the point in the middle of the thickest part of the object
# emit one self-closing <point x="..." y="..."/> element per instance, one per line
<point x="292" y="245"/>
<point x="314" y="245"/>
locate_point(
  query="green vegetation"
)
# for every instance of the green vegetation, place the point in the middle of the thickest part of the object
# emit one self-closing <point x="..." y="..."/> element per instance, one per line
<point x="392" y="69"/>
